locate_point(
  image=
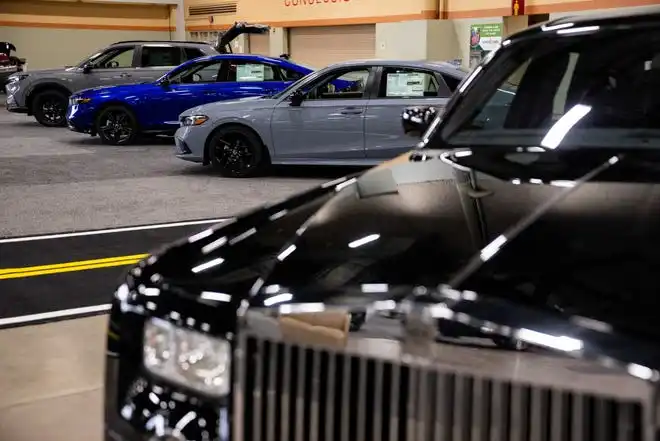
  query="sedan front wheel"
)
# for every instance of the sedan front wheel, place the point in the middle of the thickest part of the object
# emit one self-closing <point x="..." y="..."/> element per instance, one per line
<point x="116" y="125"/>
<point x="237" y="152"/>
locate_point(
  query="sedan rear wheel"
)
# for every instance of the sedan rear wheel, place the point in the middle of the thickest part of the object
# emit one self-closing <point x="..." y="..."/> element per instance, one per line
<point x="116" y="125"/>
<point x="237" y="152"/>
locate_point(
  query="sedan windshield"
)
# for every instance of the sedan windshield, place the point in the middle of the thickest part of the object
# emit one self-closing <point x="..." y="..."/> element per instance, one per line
<point x="288" y="89"/>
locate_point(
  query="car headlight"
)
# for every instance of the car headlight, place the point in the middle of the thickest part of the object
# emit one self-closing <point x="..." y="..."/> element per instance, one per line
<point x="79" y="100"/>
<point x="193" y="120"/>
<point x="15" y="78"/>
<point x="186" y="357"/>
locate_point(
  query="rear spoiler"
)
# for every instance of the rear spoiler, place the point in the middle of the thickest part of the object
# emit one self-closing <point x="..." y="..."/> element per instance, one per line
<point x="239" y="28"/>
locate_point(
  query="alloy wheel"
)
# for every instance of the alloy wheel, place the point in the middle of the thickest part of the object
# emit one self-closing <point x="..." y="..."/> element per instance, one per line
<point x="116" y="127"/>
<point x="53" y="111"/>
<point x="233" y="152"/>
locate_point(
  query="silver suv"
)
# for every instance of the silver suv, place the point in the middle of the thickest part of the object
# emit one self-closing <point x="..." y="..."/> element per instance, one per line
<point x="44" y="93"/>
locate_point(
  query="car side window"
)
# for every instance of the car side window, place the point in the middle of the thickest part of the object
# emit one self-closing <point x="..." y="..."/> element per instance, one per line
<point x="243" y="71"/>
<point x="158" y="56"/>
<point x="190" y="53"/>
<point x="198" y="73"/>
<point x="408" y="83"/>
<point x="290" y="75"/>
<point x="451" y="82"/>
<point x="344" y="84"/>
<point x="116" y="58"/>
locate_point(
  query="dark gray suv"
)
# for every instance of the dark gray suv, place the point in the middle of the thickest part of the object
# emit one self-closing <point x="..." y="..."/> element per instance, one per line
<point x="44" y="93"/>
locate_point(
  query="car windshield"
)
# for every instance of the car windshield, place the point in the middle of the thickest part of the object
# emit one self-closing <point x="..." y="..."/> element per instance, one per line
<point x="288" y="89"/>
<point x="559" y="103"/>
<point x="91" y="59"/>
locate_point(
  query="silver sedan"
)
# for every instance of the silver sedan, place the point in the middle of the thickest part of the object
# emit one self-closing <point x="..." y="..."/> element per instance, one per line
<point x="345" y="114"/>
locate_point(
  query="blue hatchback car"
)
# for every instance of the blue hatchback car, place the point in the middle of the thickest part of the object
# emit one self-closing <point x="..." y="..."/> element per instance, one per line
<point x="119" y="113"/>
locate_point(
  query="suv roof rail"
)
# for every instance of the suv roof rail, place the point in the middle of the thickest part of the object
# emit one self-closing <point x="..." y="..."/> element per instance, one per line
<point x="159" y="41"/>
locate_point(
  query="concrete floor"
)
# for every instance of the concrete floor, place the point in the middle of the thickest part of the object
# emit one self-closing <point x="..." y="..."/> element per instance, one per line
<point x="51" y="381"/>
<point x="54" y="180"/>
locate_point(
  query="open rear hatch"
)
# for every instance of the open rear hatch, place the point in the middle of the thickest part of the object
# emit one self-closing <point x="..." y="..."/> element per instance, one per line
<point x="225" y="38"/>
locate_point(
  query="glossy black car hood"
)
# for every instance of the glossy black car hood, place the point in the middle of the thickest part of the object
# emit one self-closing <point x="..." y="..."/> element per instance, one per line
<point x="588" y="251"/>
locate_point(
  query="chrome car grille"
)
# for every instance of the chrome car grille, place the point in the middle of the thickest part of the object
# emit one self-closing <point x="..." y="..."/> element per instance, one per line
<point x="290" y="392"/>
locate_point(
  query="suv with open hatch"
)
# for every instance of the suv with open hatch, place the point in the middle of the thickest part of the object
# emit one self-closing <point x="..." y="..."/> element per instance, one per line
<point x="538" y="225"/>
<point x="45" y="93"/>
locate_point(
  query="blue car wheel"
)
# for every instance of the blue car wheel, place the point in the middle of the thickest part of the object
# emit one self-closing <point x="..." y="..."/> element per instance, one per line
<point x="116" y="125"/>
<point x="237" y="152"/>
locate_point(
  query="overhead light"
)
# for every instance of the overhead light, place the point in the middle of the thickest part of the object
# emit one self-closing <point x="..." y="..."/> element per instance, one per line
<point x="206" y="265"/>
<point x="560" y="129"/>
<point x="363" y="241"/>
<point x="580" y="30"/>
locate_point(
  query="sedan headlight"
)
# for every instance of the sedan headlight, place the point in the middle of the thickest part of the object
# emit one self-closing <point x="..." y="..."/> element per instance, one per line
<point x="79" y="100"/>
<point x="187" y="357"/>
<point x="193" y="120"/>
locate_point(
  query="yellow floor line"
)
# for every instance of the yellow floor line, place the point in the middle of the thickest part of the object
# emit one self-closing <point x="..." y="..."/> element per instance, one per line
<point x="82" y="265"/>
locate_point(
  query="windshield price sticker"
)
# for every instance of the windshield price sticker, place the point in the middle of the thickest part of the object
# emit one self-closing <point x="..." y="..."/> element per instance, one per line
<point x="405" y="84"/>
<point x="250" y="72"/>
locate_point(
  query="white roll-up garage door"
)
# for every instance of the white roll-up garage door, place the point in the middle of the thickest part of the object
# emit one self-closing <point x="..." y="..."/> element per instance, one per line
<point x="260" y="44"/>
<point x="323" y="45"/>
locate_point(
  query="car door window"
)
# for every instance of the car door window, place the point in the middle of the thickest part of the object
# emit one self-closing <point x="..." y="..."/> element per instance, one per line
<point x="198" y="73"/>
<point x="243" y="71"/>
<point x="409" y="83"/>
<point x="346" y="84"/>
<point x="451" y="82"/>
<point x="290" y="75"/>
<point x="158" y="56"/>
<point x="115" y="58"/>
<point x="190" y="53"/>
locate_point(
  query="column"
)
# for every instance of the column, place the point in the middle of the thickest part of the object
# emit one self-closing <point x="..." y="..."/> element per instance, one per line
<point x="279" y="42"/>
<point x="180" y="21"/>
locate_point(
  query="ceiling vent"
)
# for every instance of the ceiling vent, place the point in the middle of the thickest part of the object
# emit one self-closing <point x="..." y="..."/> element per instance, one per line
<point x="225" y="8"/>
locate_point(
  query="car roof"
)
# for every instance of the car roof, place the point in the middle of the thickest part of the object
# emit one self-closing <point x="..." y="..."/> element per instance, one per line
<point x="248" y="57"/>
<point x="637" y="15"/>
<point x="614" y="19"/>
<point x="169" y="42"/>
<point x="439" y="66"/>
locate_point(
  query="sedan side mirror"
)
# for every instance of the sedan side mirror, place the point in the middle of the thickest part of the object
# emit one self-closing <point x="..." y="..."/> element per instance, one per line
<point x="416" y="120"/>
<point x="297" y="98"/>
<point x="87" y="68"/>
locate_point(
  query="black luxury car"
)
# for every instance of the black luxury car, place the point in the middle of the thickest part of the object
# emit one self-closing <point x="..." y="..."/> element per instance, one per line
<point x="538" y="226"/>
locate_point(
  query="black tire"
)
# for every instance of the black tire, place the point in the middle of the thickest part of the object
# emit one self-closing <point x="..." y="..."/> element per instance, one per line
<point x="49" y="108"/>
<point x="237" y="152"/>
<point x="116" y="125"/>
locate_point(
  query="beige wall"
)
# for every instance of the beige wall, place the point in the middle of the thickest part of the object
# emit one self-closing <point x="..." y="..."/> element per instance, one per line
<point x="53" y="34"/>
<point x="49" y="48"/>
<point x="434" y="40"/>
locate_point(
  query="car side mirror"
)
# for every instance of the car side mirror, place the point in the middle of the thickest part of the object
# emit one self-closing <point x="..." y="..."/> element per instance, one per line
<point x="165" y="82"/>
<point x="416" y="120"/>
<point x="297" y="98"/>
<point x="87" y="68"/>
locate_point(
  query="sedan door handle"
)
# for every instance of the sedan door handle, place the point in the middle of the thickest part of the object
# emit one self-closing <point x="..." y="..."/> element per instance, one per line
<point x="125" y="75"/>
<point x="351" y="111"/>
<point x="209" y="92"/>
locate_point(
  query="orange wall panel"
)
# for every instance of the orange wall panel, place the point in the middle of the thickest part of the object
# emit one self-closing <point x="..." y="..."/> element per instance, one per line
<point x="292" y="13"/>
<point x="491" y="8"/>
